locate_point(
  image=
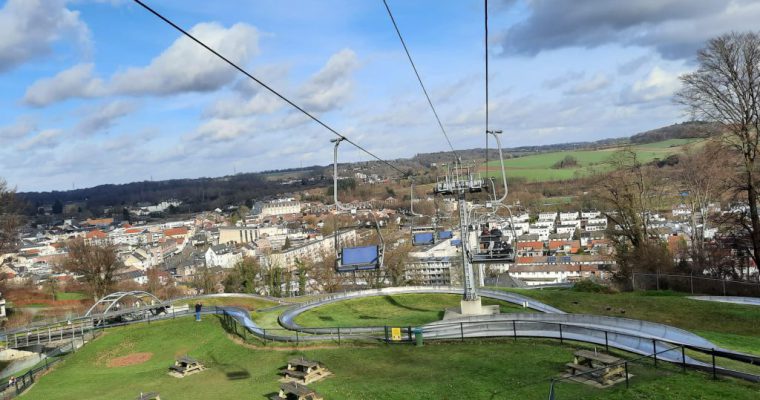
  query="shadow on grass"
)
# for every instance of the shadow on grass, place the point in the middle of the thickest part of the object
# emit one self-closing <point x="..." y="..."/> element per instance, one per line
<point x="394" y="302"/>
<point x="232" y="371"/>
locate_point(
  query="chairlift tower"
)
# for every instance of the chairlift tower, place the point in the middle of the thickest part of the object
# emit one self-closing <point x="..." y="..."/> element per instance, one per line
<point x="459" y="181"/>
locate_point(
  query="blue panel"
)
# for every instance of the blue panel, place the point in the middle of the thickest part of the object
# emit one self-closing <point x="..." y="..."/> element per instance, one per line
<point x="551" y="259"/>
<point x="456" y="242"/>
<point x="566" y="259"/>
<point x="422" y="238"/>
<point x="360" y="256"/>
<point x="445" y="235"/>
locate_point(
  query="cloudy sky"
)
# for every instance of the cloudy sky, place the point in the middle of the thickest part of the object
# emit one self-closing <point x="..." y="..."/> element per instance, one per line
<point x="101" y="91"/>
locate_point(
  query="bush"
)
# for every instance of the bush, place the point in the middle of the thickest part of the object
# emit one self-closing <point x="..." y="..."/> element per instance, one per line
<point x="568" y="162"/>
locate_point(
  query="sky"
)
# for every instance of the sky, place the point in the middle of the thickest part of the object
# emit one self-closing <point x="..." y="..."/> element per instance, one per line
<point x="101" y="91"/>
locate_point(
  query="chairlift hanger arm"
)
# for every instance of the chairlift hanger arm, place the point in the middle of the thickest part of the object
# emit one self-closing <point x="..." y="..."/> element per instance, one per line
<point x="501" y="160"/>
<point x="338" y="207"/>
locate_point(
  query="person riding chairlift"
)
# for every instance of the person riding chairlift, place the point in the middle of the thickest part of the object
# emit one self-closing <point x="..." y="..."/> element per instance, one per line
<point x="484" y="238"/>
<point x="494" y="240"/>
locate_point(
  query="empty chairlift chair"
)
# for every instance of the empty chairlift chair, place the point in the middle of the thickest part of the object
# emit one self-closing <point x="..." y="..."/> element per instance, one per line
<point x="423" y="238"/>
<point x="362" y="258"/>
<point x="358" y="258"/>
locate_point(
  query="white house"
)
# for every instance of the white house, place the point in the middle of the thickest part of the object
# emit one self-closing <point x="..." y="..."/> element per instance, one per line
<point x="681" y="211"/>
<point x="222" y="256"/>
<point x="280" y="208"/>
<point x="591" y="214"/>
<point x="564" y="216"/>
<point x="541" y="231"/>
<point x="564" y="229"/>
<point x="547" y="216"/>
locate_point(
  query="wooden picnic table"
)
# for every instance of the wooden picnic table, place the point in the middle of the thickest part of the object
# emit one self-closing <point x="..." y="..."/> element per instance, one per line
<point x="600" y="367"/>
<point x="588" y="356"/>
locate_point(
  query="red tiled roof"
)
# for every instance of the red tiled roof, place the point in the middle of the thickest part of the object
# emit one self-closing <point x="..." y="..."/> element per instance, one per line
<point x="175" y="232"/>
<point x="555" y="244"/>
<point x="96" y="234"/>
<point x="534" y="245"/>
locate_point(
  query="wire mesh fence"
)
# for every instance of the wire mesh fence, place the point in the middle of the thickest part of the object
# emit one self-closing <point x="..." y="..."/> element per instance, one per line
<point x="695" y="285"/>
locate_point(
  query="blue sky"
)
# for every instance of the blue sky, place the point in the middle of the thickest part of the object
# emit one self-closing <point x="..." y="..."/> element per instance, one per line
<point x="101" y="91"/>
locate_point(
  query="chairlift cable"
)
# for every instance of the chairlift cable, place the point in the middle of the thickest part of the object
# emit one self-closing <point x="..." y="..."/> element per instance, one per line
<point x="419" y="79"/>
<point x="265" y="86"/>
<point x="485" y="9"/>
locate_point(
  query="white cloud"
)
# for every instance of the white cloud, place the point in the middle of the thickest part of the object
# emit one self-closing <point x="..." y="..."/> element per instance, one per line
<point x="22" y="127"/>
<point x="657" y="85"/>
<point x="104" y="116"/>
<point x="597" y="82"/>
<point x="329" y="88"/>
<point x="45" y="139"/>
<point x="77" y="81"/>
<point x="217" y="129"/>
<point x="183" y="67"/>
<point x="187" y="67"/>
<point x="28" y="29"/>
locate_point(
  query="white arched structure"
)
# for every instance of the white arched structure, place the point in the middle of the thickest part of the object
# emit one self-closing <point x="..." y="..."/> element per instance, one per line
<point x="114" y="302"/>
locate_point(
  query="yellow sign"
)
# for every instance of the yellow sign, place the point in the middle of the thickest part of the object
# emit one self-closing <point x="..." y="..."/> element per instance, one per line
<point x="395" y="333"/>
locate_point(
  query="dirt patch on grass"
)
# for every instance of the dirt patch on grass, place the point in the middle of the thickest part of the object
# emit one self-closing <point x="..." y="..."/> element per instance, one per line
<point x="130" y="359"/>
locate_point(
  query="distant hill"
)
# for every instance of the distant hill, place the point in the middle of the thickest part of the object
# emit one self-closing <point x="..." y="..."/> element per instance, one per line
<point x="209" y="193"/>
<point x="684" y="130"/>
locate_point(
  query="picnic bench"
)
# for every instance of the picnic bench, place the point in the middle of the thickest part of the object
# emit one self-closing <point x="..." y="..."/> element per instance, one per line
<point x="185" y="366"/>
<point x="303" y="371"/>
<point x="594" y="367"/>
<point x="295" y="391"/>
<point x="149" y="396"/>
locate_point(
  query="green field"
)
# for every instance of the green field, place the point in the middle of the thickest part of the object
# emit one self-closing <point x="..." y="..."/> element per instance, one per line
<point x="398" y="310"/>
<point x="538" y="167"/>
<point x="474" y="370"/>
<point x="70" y="296"/>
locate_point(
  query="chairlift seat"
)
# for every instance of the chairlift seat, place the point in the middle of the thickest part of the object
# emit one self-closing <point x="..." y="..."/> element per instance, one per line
<point x="359" y="258"/>
<point x="423" y="238"/>
<point x="443" y="235"/>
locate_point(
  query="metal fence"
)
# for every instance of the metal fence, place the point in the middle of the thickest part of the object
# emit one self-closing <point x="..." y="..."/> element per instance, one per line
<point x="695" y="285"/>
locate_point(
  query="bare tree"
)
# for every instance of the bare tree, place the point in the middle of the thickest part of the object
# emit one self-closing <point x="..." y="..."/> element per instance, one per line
<point x="630" y="193"/>
<point x="205" y="280"/>
<point x="96" y="264"/>
<point x="325" y="278"/>
<point x="703" y="179"/>
<point x="9" y="218"/>
<point x="725" y="88"/>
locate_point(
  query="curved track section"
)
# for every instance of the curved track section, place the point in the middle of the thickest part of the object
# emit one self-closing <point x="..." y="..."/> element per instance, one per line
<point x="749" y="301"/>
<point x="623" y="326"/>
<point x="287" y="318"/>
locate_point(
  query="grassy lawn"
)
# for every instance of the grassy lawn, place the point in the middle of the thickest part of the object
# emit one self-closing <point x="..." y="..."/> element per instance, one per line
<point x="538" y="167"/>
<point x="243" y="302"/>
<point x="398" y="310"/>
<point x="731" y="325"/>
<point x="473" y="370"/>
<point x="70" y="296"/>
